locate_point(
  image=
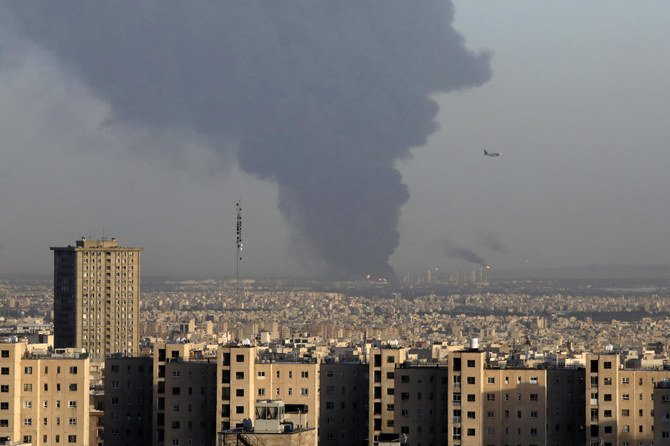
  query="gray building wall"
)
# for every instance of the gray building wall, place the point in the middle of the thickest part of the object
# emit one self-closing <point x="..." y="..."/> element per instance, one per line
<point x="344" y="404"/>
<point x="128" y="401"/>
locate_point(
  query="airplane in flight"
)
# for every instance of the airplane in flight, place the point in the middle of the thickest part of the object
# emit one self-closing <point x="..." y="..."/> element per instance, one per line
<point x="491" y="154"/>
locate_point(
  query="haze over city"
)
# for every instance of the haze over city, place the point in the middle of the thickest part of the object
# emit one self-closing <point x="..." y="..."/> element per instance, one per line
<point x="573" y="95"/>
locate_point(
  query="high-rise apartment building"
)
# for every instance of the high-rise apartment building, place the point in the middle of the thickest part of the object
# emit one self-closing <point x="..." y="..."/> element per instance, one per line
<point x="381" y="416"/>
<point x="620" y="403"/>
<point x="44" y="397"/>
<point x="97" y="297"/>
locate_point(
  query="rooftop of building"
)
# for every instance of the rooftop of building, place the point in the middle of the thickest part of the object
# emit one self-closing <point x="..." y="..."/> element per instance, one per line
<point x="107" y="244"/>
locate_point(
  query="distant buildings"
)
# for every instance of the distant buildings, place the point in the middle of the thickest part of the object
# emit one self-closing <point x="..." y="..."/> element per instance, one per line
<point x="96" y="297"/>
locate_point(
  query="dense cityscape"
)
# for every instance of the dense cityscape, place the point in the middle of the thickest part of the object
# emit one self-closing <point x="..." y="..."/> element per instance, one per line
<point x="358" y="346"/>
<point x="341" y="223"/>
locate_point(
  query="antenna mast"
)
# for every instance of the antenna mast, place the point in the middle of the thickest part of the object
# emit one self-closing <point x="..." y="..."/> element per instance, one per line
<point x="239" y="240"/>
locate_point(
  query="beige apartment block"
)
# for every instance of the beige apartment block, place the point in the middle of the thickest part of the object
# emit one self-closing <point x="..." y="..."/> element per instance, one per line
<point x="97" y="297"/>
<point x="514" y="406"/>
<point x="381" y="384"/>
<point x="244" y="377"/>
<point x="465" y="390"/>
<point x="44" y="399"/>
<point x="620" y="402"/>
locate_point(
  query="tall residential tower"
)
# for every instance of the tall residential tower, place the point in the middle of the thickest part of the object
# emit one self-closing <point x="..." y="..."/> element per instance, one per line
<point x="97" y="297"/>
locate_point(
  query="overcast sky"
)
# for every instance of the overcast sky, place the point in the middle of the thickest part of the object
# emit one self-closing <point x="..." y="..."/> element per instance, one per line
<point x="577" y="103"/>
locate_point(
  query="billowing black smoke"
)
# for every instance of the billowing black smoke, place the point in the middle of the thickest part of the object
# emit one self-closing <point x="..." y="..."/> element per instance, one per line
<point x="320" y="96"/>
<point x="468" y="255"/>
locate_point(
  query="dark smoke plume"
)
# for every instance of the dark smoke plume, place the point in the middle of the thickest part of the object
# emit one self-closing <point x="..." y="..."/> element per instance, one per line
<point x="468" y="255"/>
<point x="320" y="96"/>
<point x="492" y="242"/>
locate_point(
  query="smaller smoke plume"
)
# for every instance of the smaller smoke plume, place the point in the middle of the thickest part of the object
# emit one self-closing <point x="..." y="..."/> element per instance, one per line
<point x="491" y="241"/>
<point x="457" y="252"/>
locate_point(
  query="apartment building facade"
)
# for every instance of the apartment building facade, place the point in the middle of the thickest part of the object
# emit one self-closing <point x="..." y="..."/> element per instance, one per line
<point x="243" y="377"/>
<point x="382" y="364"/>
<point x="620" y="403"/>
<point x="128" y="401"/>
<point x="44" y="398"/>
<point x="97" y="297"/>
<point x="344" y="397"/>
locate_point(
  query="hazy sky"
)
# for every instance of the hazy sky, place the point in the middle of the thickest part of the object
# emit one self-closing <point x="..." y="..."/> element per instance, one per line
<point x="577" y="105"/>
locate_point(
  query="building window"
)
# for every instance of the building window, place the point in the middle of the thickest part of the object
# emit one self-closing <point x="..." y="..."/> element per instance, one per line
<point x="625" y="380"/>
<point x="239" y="358"/>
<point x="27" y="404"/>
<point x="533" y="380"/>
<point x="71" y="421"/>
<point x="175" y="408"/>
<point x="4" y="371"/>
<point x="73" y="370"/>
<point x="73" y="387"/>
<point x="471" y="363"/>
<point x="5" y="354"/>
<point x="533" y="431"/>
<point x="28" y="370"/>
<point x="304" y="374"/>
<point x="490" y="380"/>
<point x="239" y="392"/>
<point x="471" y="397"/>
<point x="27" y="421"/>
<point x="239" y="409"/>
<point x="304" y="391"/>
<point x="72" y="404"/>
<point x="470" y="432"/>
<point x="625" y="413"/>
<point x="490" y="414"/>
<point x="490" y="397"/>
<point x="4" y="406"/>
<point x="4" y="423"/>
<point x="470" y="379"/>
<point x="261" y="374"/>
<point x="4" y="388"/>
<point x="261" y="392"/>
<point x="534" y="397"/>
<point x="239" y="375"/>
<point x="607" y="365"/>
<point x="27" y="387"/>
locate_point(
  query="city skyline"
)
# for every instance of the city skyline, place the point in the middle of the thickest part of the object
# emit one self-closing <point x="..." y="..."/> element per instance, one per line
<point x="574" y="104"/>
